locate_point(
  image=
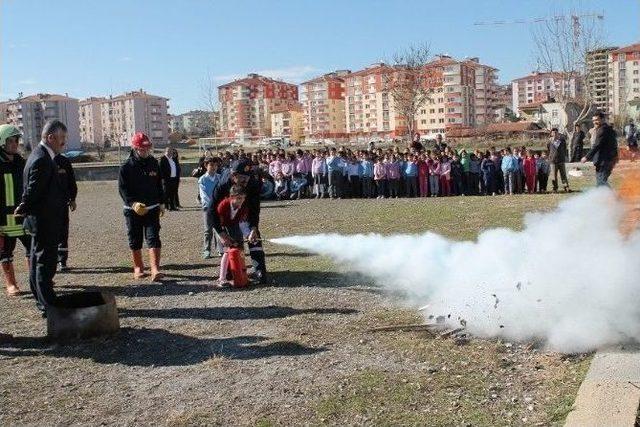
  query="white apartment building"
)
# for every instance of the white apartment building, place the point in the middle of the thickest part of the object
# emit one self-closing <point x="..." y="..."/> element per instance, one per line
<point x="120" y="117"/>
<point x="597" y="79"/>
<point x="30" y="113"/>
<point x="91" y="121"/>
<point x="540" y="87"/>
<point x="624" y="78"/>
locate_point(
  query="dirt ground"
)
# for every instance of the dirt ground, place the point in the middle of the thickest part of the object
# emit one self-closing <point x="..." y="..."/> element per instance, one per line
<point x="296" y="352"/>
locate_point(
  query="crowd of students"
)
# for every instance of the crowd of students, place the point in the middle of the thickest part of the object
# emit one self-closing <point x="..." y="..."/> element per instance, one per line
<point x="391" y="173"/>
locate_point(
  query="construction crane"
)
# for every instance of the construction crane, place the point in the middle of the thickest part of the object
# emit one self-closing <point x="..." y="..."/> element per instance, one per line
<point x="575" y="21"/>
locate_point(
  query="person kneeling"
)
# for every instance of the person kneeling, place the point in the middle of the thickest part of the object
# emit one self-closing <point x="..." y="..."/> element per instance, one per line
<point x="232" y="214"/>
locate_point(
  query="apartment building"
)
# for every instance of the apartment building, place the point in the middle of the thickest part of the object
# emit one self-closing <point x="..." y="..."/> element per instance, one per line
<point x="463" y="95"/>
<point x="486" y="91"/>
<point x="370" y="110"/>
<point x="540" y="87"/>
<point x="91" y="121"/>
<point x="195" y="123"/>
<point x="30" y="113"/>
<point x="597" y="79"/>
<point x="288" y="123"/>
<point x="624" y="79"/>
<point x="112" y="121"/>
<point x="323" y="104"/>
<point x="246" y="105"/>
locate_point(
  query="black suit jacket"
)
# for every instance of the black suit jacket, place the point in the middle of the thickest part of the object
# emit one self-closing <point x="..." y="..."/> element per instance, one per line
<point x="605" y="146"/>
<point x="165" y="168"/>
<point x="558" y="154"/>
<point x="43" y="199"/>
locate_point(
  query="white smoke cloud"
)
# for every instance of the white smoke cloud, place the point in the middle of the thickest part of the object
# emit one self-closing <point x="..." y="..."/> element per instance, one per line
<point x="569" y="278"/>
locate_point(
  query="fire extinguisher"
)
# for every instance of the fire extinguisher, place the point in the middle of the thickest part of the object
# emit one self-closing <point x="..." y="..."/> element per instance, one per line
<point x="237" y="268"/>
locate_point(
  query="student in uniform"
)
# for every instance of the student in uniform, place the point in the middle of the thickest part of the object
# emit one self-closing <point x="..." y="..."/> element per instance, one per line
<point x="67" y="179"/>
<point x="140" y="186"/>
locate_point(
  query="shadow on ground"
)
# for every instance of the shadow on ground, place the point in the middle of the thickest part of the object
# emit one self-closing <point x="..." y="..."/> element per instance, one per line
<point x="322" y="279"/>
<point x="230" y="313"/>
<point x="277" y="279"/>
<point x="121" y="269"/>
<point x="144" y="290"/>
<point x="157" y="347"/>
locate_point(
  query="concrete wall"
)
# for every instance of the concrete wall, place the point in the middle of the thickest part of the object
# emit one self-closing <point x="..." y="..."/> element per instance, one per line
<point x="109" y="172"/>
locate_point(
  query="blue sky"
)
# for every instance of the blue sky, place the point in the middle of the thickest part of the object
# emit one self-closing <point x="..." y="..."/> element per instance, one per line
<point x="96" y="47"/>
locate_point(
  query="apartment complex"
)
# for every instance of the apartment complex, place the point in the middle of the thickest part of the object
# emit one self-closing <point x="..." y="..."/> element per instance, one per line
<point x="112" y="121"/>
<point x="246" y="105"/>
<point x="370" y="110"/>
<point x="30" y="113"/>
<point x="288" y="123"/>
<point x="463" y="94"/>
<point x="323" y="104"/>
<point x="541" y="87"/>
<point x="195" y="123"/>
<point x="91" y="121"/>
<point x="624" y="79"/>
<point x="597" y="78"/>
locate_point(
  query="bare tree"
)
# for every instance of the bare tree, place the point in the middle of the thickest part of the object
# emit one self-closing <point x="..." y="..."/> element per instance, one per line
<point x="562" y="43"/>
<point x="209" y="100"/>
<point x="407" y="81"/>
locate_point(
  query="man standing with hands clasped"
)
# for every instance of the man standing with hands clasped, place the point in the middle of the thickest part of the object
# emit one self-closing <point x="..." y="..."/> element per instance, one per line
<point x="141" y="190"/>
<point x="43" y="205"/>
<point x="604" y="150"/>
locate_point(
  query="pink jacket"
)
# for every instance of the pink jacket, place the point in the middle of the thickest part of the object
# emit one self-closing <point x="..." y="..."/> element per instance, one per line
<point x="434" y="167"/>
<point x="379" y="171"/>
<point x="275" y="167"/>
<point x="288" y="168"/>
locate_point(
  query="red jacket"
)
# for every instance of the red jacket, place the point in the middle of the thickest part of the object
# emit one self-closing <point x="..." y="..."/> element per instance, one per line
<point x="224" y="213"/>
<point x="529" y="166"/>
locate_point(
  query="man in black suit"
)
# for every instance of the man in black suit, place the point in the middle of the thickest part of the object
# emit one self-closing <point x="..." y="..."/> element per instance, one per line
<point x="43" y="205"/>
<point x="558" y="154"/>
<point x="68" y="181"/>
<point x="604" y="150"/>
<point x="170" y="174"/>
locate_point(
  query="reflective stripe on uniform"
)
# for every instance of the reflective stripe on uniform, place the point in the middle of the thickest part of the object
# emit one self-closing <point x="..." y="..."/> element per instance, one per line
<point x="8" y="190"/>
<point x="12" y="230"/>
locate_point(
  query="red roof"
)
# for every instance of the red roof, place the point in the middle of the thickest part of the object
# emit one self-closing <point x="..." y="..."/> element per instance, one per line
<point x="326" y="78"/>
<point x="536" y="75"/>
<point x="628" y="49"/>
<point x="254" y="79"/>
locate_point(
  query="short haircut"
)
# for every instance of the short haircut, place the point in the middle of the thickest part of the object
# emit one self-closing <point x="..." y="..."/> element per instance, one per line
<point x="236" y="191"/>
<point x="51" y="127"/>
<point x="554" y="129"/>
<point x="599" y="113"/>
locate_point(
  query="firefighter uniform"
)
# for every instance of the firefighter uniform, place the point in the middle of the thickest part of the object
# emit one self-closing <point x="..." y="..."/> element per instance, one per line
<point x="11" y="179"/>
<point x="140" y="187"/>
<point x="67" y="179"/>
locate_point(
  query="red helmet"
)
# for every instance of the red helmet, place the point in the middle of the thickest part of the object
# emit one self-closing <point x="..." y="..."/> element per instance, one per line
<point x="140" y="140"/>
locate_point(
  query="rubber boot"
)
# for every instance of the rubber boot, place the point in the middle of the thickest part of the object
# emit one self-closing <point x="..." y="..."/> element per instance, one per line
<point x="154" y="261"/>
<point x="10" y="279"/>
<point x="138" y="265"/>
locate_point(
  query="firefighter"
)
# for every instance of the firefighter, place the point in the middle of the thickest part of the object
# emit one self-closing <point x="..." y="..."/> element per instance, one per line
<point x="140" y="187"/>
<point x="242" y="176"/>
<point x="11" y="170"/>
<point x="68" y="181"/>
